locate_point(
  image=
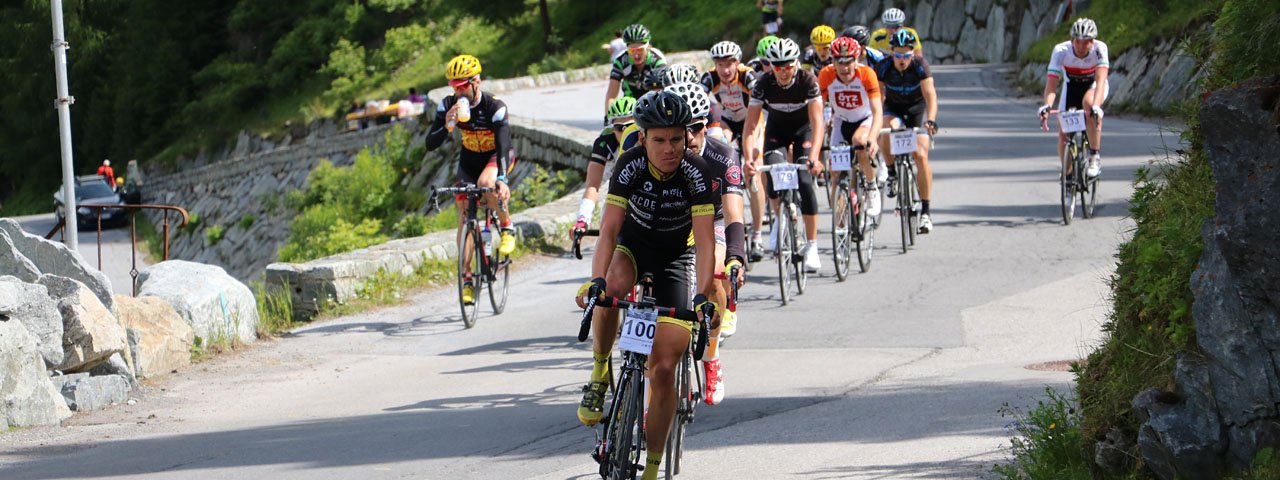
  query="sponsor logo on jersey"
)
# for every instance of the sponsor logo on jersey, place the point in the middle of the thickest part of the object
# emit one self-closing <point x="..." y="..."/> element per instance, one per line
<point x="849" y="99"/>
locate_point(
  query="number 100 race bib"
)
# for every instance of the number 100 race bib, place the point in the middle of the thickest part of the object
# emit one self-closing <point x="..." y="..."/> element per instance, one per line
<point x="638" y="330"/>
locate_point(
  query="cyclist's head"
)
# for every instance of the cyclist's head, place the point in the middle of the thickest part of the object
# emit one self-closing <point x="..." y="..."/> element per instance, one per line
<point x="846" y="50"/>
<point x="120" y="181"/>
<point x="699" y="109"/>
<point x="859" y="33"/>
<point x="679" y="73"/>
<point x="764" y="43"/>
<point x="821" y="36"/>
<point x="893" y="18"/>
<point x="726" y="49"/>
<point x="621" y="107"/>
<point x="635" y="33"/>
<point x="904" y="38"/>
<point x="653" y="80"/>
<point x="782" y="57"/>
<point x="662" y="117"/>
<point x="106" y="163"/>
<point x="462" y="71"/>
<point x="1084" y="29"/>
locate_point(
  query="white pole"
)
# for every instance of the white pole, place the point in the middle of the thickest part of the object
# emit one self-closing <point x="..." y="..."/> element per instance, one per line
<point x="64" y="102"/>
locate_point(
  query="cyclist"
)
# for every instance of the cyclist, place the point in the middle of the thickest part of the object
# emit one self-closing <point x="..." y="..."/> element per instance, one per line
<point x="486" y="154"/>
<point x="1083" y="61"/>
<point x="870" y="56"/>
<point x="818" y="53"/>
<point x="629" y="71"/>
<point x="790" y="94"/>
<point x="759" y="64"/>
<point x="603" y="150"/>
<point x="685" y="73"/>
<point x="726" y="173"/>
<point x="910" y="101"/>
<point x="660" y="195"/>
<point x="853" y="92"/>
<point x="730" y="85"/>
<point x="771" y="17"/>
<point x="893" y="19"/>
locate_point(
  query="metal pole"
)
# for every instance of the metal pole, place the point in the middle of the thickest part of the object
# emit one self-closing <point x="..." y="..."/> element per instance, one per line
<point x="63" y="102"/>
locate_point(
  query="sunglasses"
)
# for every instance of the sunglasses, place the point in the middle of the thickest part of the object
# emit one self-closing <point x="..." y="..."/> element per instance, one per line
<point x="822" y="47"/>
<point x="637" y="49"/>
<point x="696" y="127"/>
<point x="846" y="60"/>
<point x="903" y="56"/>
<point x="618" y="127"/>
<point x="788" y="65"/>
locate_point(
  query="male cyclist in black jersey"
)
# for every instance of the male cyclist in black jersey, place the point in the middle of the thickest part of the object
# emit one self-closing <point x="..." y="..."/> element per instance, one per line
<point x="660" y="195"/>
<point x="790" y="94"/>
<point x="603" y="151"/>
<point x="629" y="70"/>
<point x="730" y="85"/>
<point x="486" y="154"/>
<point x="910" y="102"/>
<point x="726" y="173"/>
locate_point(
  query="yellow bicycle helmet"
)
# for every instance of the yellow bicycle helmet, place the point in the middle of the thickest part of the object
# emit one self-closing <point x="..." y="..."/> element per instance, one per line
<point x="462" y="67"/>
<point x="822" y="35"/>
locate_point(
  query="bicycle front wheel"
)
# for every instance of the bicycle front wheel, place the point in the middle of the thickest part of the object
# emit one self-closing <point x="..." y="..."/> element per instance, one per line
<point x="913" y="200"/>
<point x="842" y="230"/>
<point x="782" y="251"/>
<point x="684" y="409"/>
<point x="472" y="309"/>
<point x="904" y="201"/>
<point x="625" y="435"/>
<point x="799" y="243"/>
<point x="860" y="223"/>
<point x="501" y="268"/>
<point x="1068" y="184"/>
<point x="1089" y="197"/>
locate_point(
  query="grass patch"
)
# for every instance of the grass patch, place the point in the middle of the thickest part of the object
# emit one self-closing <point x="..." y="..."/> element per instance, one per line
<point x="1123" y="24"/>
<point x="27" y="201"/>
<point x="1046" y="441"/>
<point x="214" y="234"/>
<point x="275" y="309"/>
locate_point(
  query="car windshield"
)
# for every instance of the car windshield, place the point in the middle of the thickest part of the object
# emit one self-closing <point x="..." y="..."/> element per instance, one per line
<point x="94" y="190"/>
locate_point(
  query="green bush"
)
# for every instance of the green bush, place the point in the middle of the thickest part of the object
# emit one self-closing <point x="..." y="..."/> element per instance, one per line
<point x="1124" y="23"/>
<point x="543" y="187"/>
<point x="275" y="309"/>
<point x="339" y="237"/>
<point x="1046" y="442"/>
<point x="213" y="234"/>
<point x="412" y="225"/>
<point x="246" y="221"/>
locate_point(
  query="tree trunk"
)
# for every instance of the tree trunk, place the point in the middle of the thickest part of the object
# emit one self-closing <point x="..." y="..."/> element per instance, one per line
<point x="546" y="26"/>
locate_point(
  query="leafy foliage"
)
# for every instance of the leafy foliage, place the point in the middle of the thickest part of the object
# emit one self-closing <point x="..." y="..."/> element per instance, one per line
<point x="1046" y="441"/>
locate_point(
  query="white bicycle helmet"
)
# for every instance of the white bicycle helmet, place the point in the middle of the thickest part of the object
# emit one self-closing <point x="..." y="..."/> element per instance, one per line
<point x="893" y="17"/>
<point x="680" y="73"/>
<point x="783" y="50"/>
<point x="695" y="96"/>
<point x="726" y="49"/>
<point x="1084" y="28"/>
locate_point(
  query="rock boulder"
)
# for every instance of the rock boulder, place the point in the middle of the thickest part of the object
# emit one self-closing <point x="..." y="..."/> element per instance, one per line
<point x="91" y="334"/>
<point x="27" y="398"/>
<point x="13" y="262"/>
<point x="216" y="306"/>
<point x="158" y="337"/>
<point x="54" y="258"/>
<point x="30" y="304"/>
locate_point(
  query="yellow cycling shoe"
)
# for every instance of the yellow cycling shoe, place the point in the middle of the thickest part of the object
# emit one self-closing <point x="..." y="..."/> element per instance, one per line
<point x="508" y="243"/>
<point x="728" y="324"/>
<point x="468" y="293"/>
<point x="591" y="410"/>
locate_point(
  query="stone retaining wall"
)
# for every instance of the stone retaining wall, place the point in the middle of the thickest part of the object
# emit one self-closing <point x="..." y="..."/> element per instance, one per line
<point x="1141" y="78"/>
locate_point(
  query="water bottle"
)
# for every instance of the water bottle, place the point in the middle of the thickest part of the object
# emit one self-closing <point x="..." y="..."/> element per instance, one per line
<point x="464" y="110"/>
<point x="485" y="237"/>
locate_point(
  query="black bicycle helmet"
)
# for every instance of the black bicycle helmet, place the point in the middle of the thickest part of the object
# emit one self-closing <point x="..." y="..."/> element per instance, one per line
<point x="859" y="33"/>
<point x="654" y="80"/>
<point x="635" y="33"/>
<point x="662" y="109"/>
<point x="903" y="38"/>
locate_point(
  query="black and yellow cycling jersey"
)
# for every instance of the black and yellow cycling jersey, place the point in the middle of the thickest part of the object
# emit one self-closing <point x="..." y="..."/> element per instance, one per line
<point x="487" y="133"/>
<point x="660" y="207"/>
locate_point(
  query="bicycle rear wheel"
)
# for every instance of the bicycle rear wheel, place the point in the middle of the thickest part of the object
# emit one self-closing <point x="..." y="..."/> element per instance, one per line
<point x="861" y="226"/>
<point x="469" y="242"/>
<point x="795" y="227"/>
<point x="842" y="229"/>
<point x="782" y="251"/>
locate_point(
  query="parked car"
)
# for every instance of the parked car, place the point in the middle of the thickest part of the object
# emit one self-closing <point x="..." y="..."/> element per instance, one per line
<point x="92" y="190"/>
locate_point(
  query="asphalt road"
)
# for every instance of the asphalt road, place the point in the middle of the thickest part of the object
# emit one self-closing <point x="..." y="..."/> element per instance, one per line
<point x="897" y="373"/>
<point x="117" y="256"/>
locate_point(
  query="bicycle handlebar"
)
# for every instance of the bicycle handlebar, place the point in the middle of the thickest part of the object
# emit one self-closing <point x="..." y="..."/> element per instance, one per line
<point x="577" y="240"/>
<point x="596" y="300"/>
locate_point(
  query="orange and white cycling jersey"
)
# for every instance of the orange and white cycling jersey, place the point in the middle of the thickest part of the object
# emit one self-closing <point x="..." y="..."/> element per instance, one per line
<point x="850" y="102"/>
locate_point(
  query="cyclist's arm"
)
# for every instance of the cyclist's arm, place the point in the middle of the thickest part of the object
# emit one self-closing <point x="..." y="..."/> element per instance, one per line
<point x="438" y="133"/>
<point x="1100" y="85"/>
<point x="759" y="4"/>
<point x="502" y="140"/>
<point x="610" y="225"/>
<point x="816" y="133"/>
<point x="614" y="86"/>
<point x="704" y="241"/>
<point x="1051" y="89"/>
<point x="930" y="98"/>
<point x="779" y="8"/>
<point x="595" y="176"/>
<point x="751" y="132"/>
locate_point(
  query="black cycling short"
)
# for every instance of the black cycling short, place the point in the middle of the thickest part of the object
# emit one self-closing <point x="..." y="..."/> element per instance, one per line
<point x="775" y="151"/>
<point x="911" y="115"/>
<point x="1076" y="88"/>
<point x="671" y="269"/>
<point x="847" y="129"/>
<point x="472" y="164"/>
<point x="768" y="17"/>
<point x="735" y="127"/>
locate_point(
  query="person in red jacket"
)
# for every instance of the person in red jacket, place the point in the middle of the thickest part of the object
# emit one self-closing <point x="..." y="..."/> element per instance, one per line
<point x="107" y="173"/>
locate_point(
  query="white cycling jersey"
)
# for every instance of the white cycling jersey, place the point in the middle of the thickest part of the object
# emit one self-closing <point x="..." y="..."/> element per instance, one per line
<point x="1065" y="65"/>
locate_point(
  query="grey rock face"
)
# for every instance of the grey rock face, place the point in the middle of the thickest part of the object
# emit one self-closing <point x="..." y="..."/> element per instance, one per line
<point x="26" y="396"/>
<point x="947" y="21"/>
<point x="12" y="262"/>
<point x="91" y="334"/>
<point x="87" y="393"/>
<point x="56" y="259"/>
<point x="30" y="304"/>
<point x="214" y="304"/>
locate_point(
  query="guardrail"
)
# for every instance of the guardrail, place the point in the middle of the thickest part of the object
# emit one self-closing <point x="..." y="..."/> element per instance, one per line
<point x="60" y="227"/>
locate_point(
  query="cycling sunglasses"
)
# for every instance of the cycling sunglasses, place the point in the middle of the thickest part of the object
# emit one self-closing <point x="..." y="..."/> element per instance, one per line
<point x="846" y="59"/>
<point x="618" y="127"/>
<point x="903" y="55"/>
<point x="787" y="65"/>
<point x="696" y="127"/>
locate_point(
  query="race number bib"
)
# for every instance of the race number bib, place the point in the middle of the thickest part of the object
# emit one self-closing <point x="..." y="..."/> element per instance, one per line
<point x="1071" y="122"/>
<point x="638" y="330"/>
<point x="902" y="143"/>
<point x="784" y="177"/>
<point x="841" y="158"/>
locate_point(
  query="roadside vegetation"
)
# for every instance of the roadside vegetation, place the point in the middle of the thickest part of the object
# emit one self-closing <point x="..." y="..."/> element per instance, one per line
<point x="1151" y="321"/>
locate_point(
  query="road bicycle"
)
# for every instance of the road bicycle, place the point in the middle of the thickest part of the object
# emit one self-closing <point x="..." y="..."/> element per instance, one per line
<point x="852" y="229"/>
<point x="476" y="246"/>
<point x="907" y="205"/>
<point x="1073" y="178"/>
<point x="620" y="447"/>
<point x="789" y="251"/>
